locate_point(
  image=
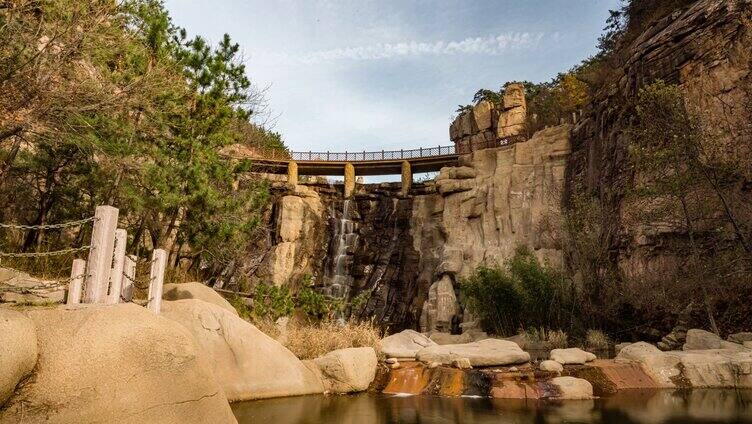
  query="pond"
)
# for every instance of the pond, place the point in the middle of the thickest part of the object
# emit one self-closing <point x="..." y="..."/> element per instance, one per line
<point x="628" y="407"/>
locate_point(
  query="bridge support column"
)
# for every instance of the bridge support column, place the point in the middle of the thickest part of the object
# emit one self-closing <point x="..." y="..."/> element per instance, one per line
<point x="349" y="180"/>
<point x="292" y="173"/>
<point x="407" y="178"/>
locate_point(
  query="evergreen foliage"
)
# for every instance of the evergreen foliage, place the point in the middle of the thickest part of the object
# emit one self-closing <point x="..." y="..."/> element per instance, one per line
<point x="111" y="103"/>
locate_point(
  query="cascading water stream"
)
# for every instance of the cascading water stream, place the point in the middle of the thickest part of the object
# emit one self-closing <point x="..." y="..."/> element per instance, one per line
<point x="345" y="239"/>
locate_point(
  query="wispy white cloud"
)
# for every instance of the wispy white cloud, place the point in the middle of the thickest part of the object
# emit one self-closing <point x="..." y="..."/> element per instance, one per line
<point x="491" y="45"/>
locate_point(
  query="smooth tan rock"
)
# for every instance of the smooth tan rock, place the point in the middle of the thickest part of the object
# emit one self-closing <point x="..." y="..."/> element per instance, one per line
<point x="701" y="340"/>
<point x="482" y="115"/>
<point x="446" y="187"/>
<point x="571" y="356"/>
<point x="662" y="368"/>
<point x="449" y="339"/>
<point x="348" y="370"/>
<point x="290" y="220"/>
<point x="247" y="363"/>
<point x="514" y="96"/>
<point x="462" y="363"/>
<point x="551" y="366"/>
<point x="18" y="350"/>
<point x="118" y="363"/>
<point x="484" y="353"/>
<point x="404" y="344"/>
<point x="196" y="291"/>
<point x="572" y="388"/>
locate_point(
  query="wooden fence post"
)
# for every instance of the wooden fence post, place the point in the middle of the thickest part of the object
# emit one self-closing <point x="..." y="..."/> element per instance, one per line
<point x="100" y="254"/>
<point x="116" y="275"/>
<point x="129" y="272"/>
<point x="77" y="282"/>
<point x="156" y="279"/>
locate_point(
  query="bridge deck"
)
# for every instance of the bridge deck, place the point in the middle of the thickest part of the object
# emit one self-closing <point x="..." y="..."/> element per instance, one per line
<point x="384" y="162"/>
<point x="363" y="167"/>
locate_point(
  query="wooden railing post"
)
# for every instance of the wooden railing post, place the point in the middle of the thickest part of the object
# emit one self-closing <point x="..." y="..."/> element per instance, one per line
<point x="156" y="279"/>
<point x="100" y="255"/>
<point x="77" y="282"/>
<point x="118" y="261"/>
<point x="129" y="274"/>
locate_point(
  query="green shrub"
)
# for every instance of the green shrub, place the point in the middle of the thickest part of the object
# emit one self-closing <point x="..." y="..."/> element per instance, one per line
<point x="524" y="294"/>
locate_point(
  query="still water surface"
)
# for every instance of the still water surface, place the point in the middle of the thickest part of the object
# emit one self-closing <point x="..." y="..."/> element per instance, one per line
<point x="634" y="407"/>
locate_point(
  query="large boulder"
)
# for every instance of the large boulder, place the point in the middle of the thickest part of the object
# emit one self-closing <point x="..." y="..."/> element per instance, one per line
<point x="196" y="291"/>
<point x="117" y="363"/>
<point x="348" y="370"/>
<point x="484" y="353"/>
<point x="709" y="368"/>
<point x="551" y="366"/>
<point x="247" y="363"/>
<point x="740" y="338"/>
<point x="572" y="356"/>
<point x="661" y="368"/>
<point x="572" y="388"/>
<point x="702" y="340"/>
<point x="18" y="350"/>
<point x="405" y="344"/>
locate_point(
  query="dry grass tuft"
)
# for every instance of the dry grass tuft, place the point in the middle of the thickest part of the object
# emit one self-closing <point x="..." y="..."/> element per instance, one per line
<point x="558" y="339"/>
<point x="596" y="339"/>
<point x="309" y="341"/>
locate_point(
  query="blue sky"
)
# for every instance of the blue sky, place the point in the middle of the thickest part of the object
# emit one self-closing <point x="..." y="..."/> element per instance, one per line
<point x="386" y="74"/>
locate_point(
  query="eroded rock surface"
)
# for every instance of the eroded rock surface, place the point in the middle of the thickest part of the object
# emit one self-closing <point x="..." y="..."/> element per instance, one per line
<point x="120" y="364"/>
<point x="348" y="370"/>
<point x="247" y="363"/>
<point x="196" y="291"/>
<point x="405" y="344"/>
<point x="484" y="353"/>
<point x="572" y="356"/>
<point x="18" y="350"/>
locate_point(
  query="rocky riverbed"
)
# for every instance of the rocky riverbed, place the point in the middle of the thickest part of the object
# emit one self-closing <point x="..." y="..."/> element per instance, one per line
<point x="122" y="363"/>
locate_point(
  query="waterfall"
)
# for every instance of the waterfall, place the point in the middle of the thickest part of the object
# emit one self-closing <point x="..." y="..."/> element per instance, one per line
<point x="345" y="241"/>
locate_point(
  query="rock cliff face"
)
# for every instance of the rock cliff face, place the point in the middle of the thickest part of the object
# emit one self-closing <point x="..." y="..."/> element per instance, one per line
<point x="411" y="250"/>
<point x="705" y="50"/>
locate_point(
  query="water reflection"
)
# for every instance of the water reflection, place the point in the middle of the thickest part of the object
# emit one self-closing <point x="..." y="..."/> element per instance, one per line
<point x="699" y="406"/>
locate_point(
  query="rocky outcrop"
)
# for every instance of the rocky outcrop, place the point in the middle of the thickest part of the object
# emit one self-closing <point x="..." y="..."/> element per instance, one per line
<point x="497" y="200"/>
<point x="484" y="353"/>
<point x="702" y="340"/>
<point x="347" y="370"/>
<point x="703" y="48"/>
<point x="196" y="291"/>
<point x="18" y="351"/>
<point x="247" y="363"/>
<point x="116" y="363"/>
<point x="405" y="344"/>
<point x="295" y="244"/>
<point x="712" y="368"/>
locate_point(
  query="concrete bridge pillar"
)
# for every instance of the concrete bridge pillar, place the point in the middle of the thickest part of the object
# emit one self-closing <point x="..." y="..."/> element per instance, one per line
<point x="407" y="178"/>
<point x="292" y="173"/>
<point x="349" y="180"/>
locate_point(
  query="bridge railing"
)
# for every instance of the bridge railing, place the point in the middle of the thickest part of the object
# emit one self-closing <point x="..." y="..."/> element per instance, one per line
<point x="383" y="155"/>
<point x="364" y="156"/>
